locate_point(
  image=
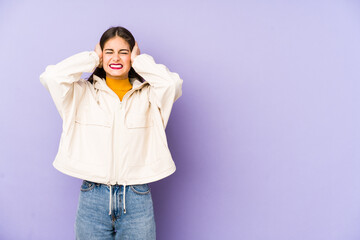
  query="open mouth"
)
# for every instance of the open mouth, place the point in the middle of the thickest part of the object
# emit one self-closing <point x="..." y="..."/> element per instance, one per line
<point x="116" y="66"/>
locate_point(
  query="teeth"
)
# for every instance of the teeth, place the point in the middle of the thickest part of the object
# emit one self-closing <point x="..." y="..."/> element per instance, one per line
<point x="116" y="65"/>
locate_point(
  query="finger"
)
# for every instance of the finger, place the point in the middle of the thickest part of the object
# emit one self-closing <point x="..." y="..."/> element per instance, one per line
<point x="137" y="48"/>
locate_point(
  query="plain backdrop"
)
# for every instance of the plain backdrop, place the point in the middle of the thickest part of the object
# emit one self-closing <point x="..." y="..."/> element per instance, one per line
<point x="265" y="136"/>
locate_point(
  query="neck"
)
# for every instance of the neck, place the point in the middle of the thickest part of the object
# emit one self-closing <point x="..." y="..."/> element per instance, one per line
<point x="117" y="78"/>
<point x="116" y="81"/>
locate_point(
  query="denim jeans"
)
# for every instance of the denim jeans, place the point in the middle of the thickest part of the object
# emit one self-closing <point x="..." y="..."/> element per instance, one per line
<point x="94" y="222"/>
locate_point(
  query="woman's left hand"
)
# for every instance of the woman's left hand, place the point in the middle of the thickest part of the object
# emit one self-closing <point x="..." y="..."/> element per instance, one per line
<point x="99" y="53"/>
<point x="135" y="52"/>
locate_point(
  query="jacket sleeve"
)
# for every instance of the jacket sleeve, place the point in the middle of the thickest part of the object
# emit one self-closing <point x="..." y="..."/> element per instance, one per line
<point x="63" y="79"/>
<point x="165" y="86"/>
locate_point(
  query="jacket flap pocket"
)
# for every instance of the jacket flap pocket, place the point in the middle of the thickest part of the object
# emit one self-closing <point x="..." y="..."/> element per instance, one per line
<point x="138" y="121"/>
<point x="92" y="116"/>
<point x="93" y="123"/>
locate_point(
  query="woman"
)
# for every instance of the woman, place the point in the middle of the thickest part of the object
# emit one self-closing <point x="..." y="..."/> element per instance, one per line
<point x="114" y="133"/>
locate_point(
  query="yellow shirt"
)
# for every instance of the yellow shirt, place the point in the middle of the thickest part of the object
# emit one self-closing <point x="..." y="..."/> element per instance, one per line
<point x="120" y="87"/>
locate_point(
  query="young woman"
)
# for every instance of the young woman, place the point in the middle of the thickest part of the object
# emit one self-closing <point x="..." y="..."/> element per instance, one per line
<point x="114" y="133"/>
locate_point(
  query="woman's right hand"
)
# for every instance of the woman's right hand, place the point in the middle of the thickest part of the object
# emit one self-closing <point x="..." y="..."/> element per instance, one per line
<point x="99" y="53"/>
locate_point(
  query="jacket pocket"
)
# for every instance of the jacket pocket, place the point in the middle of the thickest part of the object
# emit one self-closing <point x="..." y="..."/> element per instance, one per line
<point x="141" y="189"/>
<point x="93" y="123"/>
<point x="93" y="118"/>
<point x="89" y="146"/>
<point x="138" y="121"/>
<point x="88" y="113"/>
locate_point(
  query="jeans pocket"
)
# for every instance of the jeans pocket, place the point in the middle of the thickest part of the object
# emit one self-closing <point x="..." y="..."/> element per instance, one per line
<point x="87" y="186"/>
<point x="140" y="188"/>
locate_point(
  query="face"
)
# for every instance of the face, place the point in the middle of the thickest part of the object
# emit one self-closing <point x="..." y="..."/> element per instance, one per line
<point x="117" y="58"/>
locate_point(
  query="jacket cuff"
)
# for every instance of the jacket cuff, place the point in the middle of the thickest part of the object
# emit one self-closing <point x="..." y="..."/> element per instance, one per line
<point x="142" y="60"/>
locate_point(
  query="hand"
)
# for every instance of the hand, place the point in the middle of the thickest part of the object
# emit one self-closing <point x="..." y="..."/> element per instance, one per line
<point x="99" y="53"/>
<point x="135" y="52"/>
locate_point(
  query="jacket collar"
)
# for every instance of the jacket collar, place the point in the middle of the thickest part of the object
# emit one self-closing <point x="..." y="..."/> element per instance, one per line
<point x="100" y="83"/>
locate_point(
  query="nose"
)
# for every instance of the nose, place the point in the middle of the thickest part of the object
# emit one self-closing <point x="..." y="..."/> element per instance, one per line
<point x="116" y="57"/>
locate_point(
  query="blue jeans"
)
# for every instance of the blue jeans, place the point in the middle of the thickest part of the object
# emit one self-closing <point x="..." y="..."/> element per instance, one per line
<point x="94" y="222"/>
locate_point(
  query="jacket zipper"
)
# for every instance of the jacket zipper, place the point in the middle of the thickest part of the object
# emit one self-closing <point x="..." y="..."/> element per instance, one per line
<point x="115" y="165"/>
<point x="121" y="110"/>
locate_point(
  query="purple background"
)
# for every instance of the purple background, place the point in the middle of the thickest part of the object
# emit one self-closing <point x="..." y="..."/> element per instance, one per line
<point x="265" y="137"/>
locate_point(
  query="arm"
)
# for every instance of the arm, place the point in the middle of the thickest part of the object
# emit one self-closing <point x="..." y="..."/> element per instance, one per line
<point x="62" y="79"/>
<point x="165" y="86"/>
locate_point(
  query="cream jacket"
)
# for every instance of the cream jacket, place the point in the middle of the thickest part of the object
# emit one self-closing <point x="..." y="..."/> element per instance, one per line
<point x="106" y="140"/>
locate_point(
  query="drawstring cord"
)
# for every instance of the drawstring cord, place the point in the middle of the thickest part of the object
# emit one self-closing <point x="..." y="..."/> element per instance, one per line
<point x="110" y="198"/>
<point x="110" y="201"/>
<point x="97" y="96"/>
<point x="124" y="198"/>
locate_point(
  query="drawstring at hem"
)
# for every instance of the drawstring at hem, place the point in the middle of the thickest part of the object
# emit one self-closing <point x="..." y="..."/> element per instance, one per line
<point x="110" y="199"/>
<point x="124" y="198"/>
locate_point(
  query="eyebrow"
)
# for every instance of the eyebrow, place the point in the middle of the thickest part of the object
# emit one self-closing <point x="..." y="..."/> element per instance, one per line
<point x="108" y="49"/>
